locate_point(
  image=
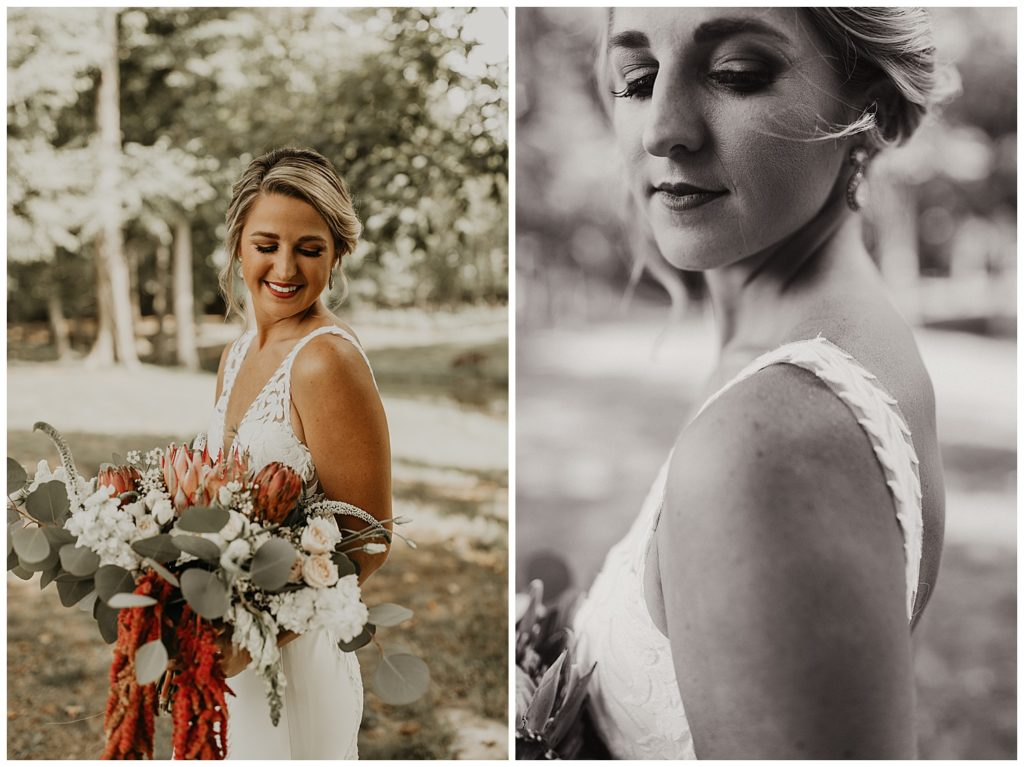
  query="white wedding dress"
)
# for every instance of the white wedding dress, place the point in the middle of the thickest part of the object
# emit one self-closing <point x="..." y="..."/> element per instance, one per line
<point x="323" y="699"/>
<point x="635" y="702"/>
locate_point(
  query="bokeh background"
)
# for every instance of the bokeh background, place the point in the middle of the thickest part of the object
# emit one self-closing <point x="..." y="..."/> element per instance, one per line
<point x="608" y="369"/>
<point x="126" y="130"/>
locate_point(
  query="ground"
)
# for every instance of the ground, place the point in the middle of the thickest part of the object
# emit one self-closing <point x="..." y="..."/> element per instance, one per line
<point x="444" y="384"/>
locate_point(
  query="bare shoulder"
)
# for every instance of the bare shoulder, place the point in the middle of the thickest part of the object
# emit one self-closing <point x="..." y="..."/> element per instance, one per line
<point x="781" y="565"/>
<point x="331" y="363"/>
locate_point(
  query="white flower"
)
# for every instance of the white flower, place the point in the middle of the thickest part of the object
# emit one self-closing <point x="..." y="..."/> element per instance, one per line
<point x="337" y="609"/>
<point x="255" y="633"/>
<point x="296" y="609"/>
<point x="319" y="571"/>
<point x="153" y="497"/>
<point x="163" y="511"/>
<point x="321" y="535"/>
<point x="106" y="529"/>
<point x="147" y="526"/>
<point x="235" y="526"/>
<point x="134" y="457"/>
<point x="136" y="509"/>
<point x="224" y="496"/>
<point x="236" y="553"/>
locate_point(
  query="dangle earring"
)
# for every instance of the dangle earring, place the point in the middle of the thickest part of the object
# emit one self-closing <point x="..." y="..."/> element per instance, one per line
<point x="330" y="280"/>
<point x="859" y="161"/>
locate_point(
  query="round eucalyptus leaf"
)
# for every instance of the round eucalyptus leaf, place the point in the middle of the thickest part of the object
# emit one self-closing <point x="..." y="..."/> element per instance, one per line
<point x="150" y="662"/>
<point x="73" y="592"/>
<point x="361" y="640"/>
<point x="205" y="593"/>
<point x="401" y="679"/>
<point x="203" y="519"/>
<point x="78" y="560"/>
<point x="345" y="565"/>
<point x="389" y="614"/>
<point x="12" y="557"/>
<point x="124" y="599"/>
<point x="31" y="545"/>
<point x="87" y="604"/>
<point x="111" y="579"/>
<point x="16" y="476"/>
<point x="160" y="548"/>
<point x="272" y="564"/>
<point x="162" y="571"/>
<point x="106" y="620"/>
<point x="205" y="549"/>
<point x="52" y="560"/>
<point x="48" y="503"/>
<point x="58" y="536"/>
<point x="47" y="576"/>
<point x="24" y="574"/>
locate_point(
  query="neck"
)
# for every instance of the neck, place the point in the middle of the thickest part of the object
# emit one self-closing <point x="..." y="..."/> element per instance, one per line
<point x="273" y="329"/>
<point x="756" y="301"/>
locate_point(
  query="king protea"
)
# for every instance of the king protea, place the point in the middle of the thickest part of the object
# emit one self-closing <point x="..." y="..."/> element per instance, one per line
<point x="277" y="490"/>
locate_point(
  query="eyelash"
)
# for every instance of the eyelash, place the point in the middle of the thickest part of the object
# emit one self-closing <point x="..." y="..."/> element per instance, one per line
<point x="739" y="82"/>
<point x="271" y="248"/>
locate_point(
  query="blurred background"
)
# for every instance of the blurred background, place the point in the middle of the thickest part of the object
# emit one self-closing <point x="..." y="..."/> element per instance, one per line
<point x="607" y="371"/>
<point x="126" y="130"/>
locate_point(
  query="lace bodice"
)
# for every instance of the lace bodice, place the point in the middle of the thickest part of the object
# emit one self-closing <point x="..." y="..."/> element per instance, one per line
<point x="634" y="695"/>
<point x="266" y="427"/>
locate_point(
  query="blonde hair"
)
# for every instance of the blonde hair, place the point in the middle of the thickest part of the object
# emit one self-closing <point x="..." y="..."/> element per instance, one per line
<point x="299" y="173"/>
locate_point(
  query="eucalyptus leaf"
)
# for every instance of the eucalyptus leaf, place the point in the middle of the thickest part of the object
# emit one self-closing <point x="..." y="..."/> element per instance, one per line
<point x="31" y="545"/>
<point x="203" y="519"/>
<point x="12" y="514"/>
<point x="401" y="679"/>
<point x="47" y="576"/>
<point x="87" y="604"/>
<point x="162" y="571"/>
<point x="272" y="565"/>
<point x="22" y="573"/>
<point x="150" y="662"/>
<point x="111" y="579"/>
<point x="78" y="560"/>
<point x="205" y="593"/>
<point x="345" y="565"/>
<point x="106" y="620"/>
<point x="124" y="599"/>
<point x="160" y="548"/>
<point x="389" y="614"/>
<point x="73" y="592"/>
<point x="361" y="640"/>
<point x="12" y="559"/>
<point x="16" y="476"/>
<point x="48" y="503"/>
<point x="117" y="459"/>
<point x="205" y="549"/>
<point x="52" y="560"/>
<point x="58" y="536"/>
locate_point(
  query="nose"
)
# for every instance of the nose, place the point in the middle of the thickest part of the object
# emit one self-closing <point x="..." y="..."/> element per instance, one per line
<point x="675" y="120"/>
<point x="285" y="263"/>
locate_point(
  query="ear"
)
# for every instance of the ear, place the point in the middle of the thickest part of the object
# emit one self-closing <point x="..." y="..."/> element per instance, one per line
<point x="882" y="99"/>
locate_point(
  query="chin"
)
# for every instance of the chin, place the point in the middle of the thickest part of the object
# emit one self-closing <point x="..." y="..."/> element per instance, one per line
<point x="700" y="251"/>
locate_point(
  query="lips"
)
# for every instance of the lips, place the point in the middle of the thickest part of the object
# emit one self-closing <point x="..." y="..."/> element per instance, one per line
<point x="678" y="195"/>
<point x="282" y="289"/>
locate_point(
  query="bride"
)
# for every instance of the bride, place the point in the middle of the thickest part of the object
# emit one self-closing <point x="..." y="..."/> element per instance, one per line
<point x="761" y="606"/>
<point x="297" y="388"/>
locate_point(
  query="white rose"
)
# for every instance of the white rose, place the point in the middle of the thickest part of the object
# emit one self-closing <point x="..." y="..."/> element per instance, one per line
<point x="320" y="535"/>
<point x="237" y="552"/>
<point x="234" y="527"/>
<point x="153" y="497"/>
<point x="163" y="511"/>
<point x="146" y="526"/>
<point x="319" y="571"/>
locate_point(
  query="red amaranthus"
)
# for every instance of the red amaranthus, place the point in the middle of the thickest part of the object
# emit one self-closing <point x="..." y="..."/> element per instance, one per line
<point x="131" y="706"/>
<point x="200" y="706"/>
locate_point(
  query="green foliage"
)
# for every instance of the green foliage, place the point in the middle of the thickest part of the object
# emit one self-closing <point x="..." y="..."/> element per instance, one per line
<point x="204" y="593"/>
<point x="400" y="679"/>
<point x="272" y="564"/>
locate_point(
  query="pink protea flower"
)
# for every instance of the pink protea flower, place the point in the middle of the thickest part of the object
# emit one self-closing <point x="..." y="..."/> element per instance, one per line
<point x="277" y="489"/>
<point x="234" y="468"/>
<point x="184" y="472"/>
<point x="120" y="479"/>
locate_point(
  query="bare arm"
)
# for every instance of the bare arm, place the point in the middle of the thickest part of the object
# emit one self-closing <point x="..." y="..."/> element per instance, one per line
<point x="782" y="568"/>
<point x="344" y="425"/>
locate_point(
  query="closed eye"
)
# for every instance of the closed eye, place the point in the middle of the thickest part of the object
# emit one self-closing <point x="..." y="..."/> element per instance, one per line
<point x="310" y="252"/>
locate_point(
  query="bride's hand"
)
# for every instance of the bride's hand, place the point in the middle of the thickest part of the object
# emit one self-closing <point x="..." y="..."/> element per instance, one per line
<point x="233" y="660"/>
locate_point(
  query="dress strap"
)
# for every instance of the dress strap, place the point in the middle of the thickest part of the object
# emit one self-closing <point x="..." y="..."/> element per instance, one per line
<point x="879" y="416"/>
<point x="234" y="361"/>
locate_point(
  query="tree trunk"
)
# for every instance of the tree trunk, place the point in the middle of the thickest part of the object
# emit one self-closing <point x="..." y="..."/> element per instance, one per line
<point x="102" y="352"/>
<point x="58" y="323"/>
<point x="132" y="256"/>
<point x="184" y="319"/>
<point x="110" y="251"/>
<point x="163" y="270"/>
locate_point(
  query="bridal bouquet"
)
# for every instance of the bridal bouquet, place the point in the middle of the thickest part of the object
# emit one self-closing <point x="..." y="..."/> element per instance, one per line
<point x="179" y="555"/>
<point x="551" y="690"/>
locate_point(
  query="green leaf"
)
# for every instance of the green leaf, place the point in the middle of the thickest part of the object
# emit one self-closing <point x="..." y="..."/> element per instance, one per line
<point x="162" y="571"/>
<point x="272" y="564"/>
<point x="24" y="574"/>
<point x="345" y="565"/>
<point x="150" y="662"/>
<point x="111" y="579"/>
<point x="401" y="679"/>
<point x="360" y="641"/>
<point x="52" y="560"/>
<point x="205" y="593"/>
<point x="31" y="545"/>
<point x="543" y="702"/>
<point x="58" y="536"/>
<point x="389" y="614"/>
<point x="117" y="459"/>
<point x="16" y="476"/>
<point x="106" y="620"/>
<point x="124" y="599"/>
<point x="48" y="503"/>
<point x="12" y="515"/>
<point x="12" y="559"/>
<point x="73" y="592"/>
<point x="160" y="548"/>
<point x="206" y="550"/>
<point x="203" y="519"/>
<point x="47" y="576"/>
<point x="78" y="560"/>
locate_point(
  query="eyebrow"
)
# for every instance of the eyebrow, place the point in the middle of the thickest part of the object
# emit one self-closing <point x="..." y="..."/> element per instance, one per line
<point x="708" y="32"/>
<point x="272" y="236"/>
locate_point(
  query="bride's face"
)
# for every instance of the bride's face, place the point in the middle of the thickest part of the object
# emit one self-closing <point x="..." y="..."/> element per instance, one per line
<point x="712" y="111"/>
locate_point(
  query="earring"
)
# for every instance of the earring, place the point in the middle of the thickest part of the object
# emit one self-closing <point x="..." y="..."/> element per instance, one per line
<point x="330" y="280"/>
<point x="859" y="161"/>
